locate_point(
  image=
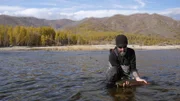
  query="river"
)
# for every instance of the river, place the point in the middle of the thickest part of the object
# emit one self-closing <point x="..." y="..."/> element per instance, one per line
<point x="41" y="75"/>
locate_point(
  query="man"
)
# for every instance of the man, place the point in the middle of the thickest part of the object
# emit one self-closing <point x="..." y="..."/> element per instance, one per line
<point x="122" y="61"/>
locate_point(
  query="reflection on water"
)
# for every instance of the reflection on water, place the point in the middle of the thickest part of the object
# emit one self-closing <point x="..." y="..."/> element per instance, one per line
<point x="80" y="75"/>
<point x="122" y="94"/>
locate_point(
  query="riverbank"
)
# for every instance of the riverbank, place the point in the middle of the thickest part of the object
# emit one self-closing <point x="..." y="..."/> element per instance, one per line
<point x="87" y="47"/>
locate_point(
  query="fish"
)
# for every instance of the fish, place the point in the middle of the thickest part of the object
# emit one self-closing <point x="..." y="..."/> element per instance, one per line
<point x="131" y="83"/>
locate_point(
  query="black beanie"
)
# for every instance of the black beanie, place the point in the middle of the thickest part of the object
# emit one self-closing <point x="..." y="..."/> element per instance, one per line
<point x="121" y="41"/>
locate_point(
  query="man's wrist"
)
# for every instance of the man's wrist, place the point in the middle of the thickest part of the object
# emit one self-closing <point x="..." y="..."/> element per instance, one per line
<point x="137" y="78"/>
<point x="135" y="74"/>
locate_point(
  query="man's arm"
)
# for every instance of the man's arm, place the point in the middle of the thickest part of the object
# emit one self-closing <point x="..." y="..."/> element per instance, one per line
<point x="136" y="76"/>
<point x="133" y="68"/>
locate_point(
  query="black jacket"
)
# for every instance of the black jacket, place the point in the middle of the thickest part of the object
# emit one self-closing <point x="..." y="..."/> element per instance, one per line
<point x="128" y="60"/>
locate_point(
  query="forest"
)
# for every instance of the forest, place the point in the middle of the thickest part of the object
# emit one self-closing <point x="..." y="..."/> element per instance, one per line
<point x="47" y="36"/>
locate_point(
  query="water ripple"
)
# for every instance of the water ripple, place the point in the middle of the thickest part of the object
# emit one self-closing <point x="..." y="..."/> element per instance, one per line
<point x="80" y="75"/>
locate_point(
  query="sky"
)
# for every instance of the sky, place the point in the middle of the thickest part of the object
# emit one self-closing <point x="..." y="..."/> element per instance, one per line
<point x="80" y="9"/>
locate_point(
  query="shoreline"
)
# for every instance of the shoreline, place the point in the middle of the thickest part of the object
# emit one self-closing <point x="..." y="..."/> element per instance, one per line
<point x="88" y="47"/>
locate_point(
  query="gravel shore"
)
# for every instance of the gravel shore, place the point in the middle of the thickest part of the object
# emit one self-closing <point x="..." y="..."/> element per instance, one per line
<point x="87" y="47"/>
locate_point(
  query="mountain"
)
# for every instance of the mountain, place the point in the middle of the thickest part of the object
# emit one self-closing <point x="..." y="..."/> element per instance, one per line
<point x="59" y="24"/>
<point x="137" y="23"/>
<point x="24" y="21"/>
<point x="32" y="21"/>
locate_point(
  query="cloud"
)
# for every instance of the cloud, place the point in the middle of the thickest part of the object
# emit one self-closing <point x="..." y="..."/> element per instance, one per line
<point x="74" y="10"/>
<point x="130" y="6"/>
<point x="45" y="13"/>
<point x="125" y="7"/>
<point x="173" y="12"/>
<point x="98" y="13"/>
<point x="140" y="2"/>
<point x="75" y="14"/>
<point x="58" y="13"/>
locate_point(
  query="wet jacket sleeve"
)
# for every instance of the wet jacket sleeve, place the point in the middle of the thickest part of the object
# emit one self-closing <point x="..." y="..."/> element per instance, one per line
<point x="113" y="60"/>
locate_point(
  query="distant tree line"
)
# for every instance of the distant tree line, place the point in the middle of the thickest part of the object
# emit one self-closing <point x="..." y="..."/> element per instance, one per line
<point x="47" y="36"/>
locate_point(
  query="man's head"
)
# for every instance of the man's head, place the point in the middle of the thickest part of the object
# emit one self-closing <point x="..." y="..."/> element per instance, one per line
<point x="121" y="41"/>
<point x="121" y="44"/>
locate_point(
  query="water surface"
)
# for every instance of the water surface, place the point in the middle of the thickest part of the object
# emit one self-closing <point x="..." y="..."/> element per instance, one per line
<point x="80" y="75"/>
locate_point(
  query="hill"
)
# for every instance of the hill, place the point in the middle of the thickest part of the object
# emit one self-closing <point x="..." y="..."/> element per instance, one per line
<point x="32" y="21"/>
<point x="138" y="23"/>
<point x="147" y="24"/>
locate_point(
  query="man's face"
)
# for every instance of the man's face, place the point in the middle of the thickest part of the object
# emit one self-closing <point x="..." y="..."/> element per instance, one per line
<point x="122" y="50"/>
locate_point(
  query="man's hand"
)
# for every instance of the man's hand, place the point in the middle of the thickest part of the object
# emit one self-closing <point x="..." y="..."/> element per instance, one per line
<point x="139" y="79"/>
<point x="126" y="83"/>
